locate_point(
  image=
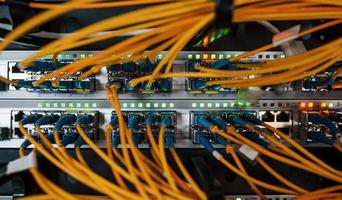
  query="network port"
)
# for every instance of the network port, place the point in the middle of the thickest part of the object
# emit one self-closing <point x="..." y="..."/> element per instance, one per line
<point x="27" y="76"/>
<point x="267" y="116"/>
<point x="320" y="127"/>
<point x="50" y="120"/>
<point x="122" y="74"/>
<point x="283" y="116"/>
<point x="199" y="85"/>
<point x="222" y="119"/>
<point x="137" y="122"/>
<point x="328" y="80"/>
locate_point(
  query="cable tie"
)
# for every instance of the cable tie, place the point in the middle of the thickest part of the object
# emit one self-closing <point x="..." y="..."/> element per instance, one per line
<point x="224" y="13"/>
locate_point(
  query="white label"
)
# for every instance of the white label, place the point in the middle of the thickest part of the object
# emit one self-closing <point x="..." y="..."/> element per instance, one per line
<point x="248" y="152"/>
<point x="22" y="164"/>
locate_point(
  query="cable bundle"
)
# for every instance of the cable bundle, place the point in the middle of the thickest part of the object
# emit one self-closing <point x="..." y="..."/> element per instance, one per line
<point x="169" y="24"/>
<point x="274" y="144"/>
<point x="152" y="179"/>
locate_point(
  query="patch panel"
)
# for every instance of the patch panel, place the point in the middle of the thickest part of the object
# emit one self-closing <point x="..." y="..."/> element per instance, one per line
<point x="321" y="126"/>
<point x="26" y="77"/>
<point x="50" y="120"/>
<point x="328" y="80"/>
<point x="220" y="118"/>
<point x="198" y="85"/>
<point x="122" y="74"/>
<point x="137" y="122"/>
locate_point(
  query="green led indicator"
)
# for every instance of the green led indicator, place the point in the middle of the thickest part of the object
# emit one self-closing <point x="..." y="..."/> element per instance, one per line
<point x="228" y="56"/>
<point x="194" y="105"/>
<point x="232" y="104"/>
<point x="248" y="104"/>
<point x="55" y="105"/>
<point x="190" y="56"/>
<point x="282" y="56"/>
<point x="221" y="56"/>
<point x="148" y="105"/>
<point x="94" y="105"/>
<point x="160" y="56"/>
<point x="202" y="105"/>
<point x="124" y="105"/>
<point x="63" y="105"/>
<point x="225" y="105"/>
<point x="217" y="105"/>
<point x="86" y="105"/>
<point x="132" y="105"/>
<point x="236" y="55"/>
<point x="40" y="105"/>
<point x="163" y="105"/>
<point x="47" y="105"/>
<point x="71" y="105"/>
<point x="156" y="105"/>
<point x="67" y="56"/>
<point x="82" y="55"/>
<point x="78" y="105"/>
<point x="213" y="56"/>
<point x="210" y="105"/>
<point x="59" y="56"/>
<point x="171" y="105"/>
<point x="198" y="56"/>
<point x="140" y="105"/>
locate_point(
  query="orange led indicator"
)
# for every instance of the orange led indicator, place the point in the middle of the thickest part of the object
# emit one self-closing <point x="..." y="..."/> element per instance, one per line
<point x="302" y="105"/>
<point x="206" y="41"/>
<point x="310" y="105"/>
<point x="205" y="56"/>
<point x="323" y="105"/>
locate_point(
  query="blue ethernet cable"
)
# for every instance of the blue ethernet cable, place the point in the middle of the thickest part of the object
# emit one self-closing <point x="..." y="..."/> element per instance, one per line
<point x="320" y="137"/>
<point x="115" y="139"/>
<point x="166" y="120"/>
<point x="204" y="122"/>
<point x="80" y="141"/>
<point x="27" y="143"/>
<point x="237" y="120"/>
<point x="68" y="119"/>
<point x="223" y="64"/>
<point x="69" y="138"/>
<point x="84" y="120"/>
<point x="31" y="119"/>
<point x="203" y="139"/>
<point x="47" y="119"/>
<point x="217" y="119"/>
<point x="133" y="121"/>
<point x="255" y="138"/>
<point x="252" y="119"/>
<point x="114" y="121"/>
<point x="317" y="119"/>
